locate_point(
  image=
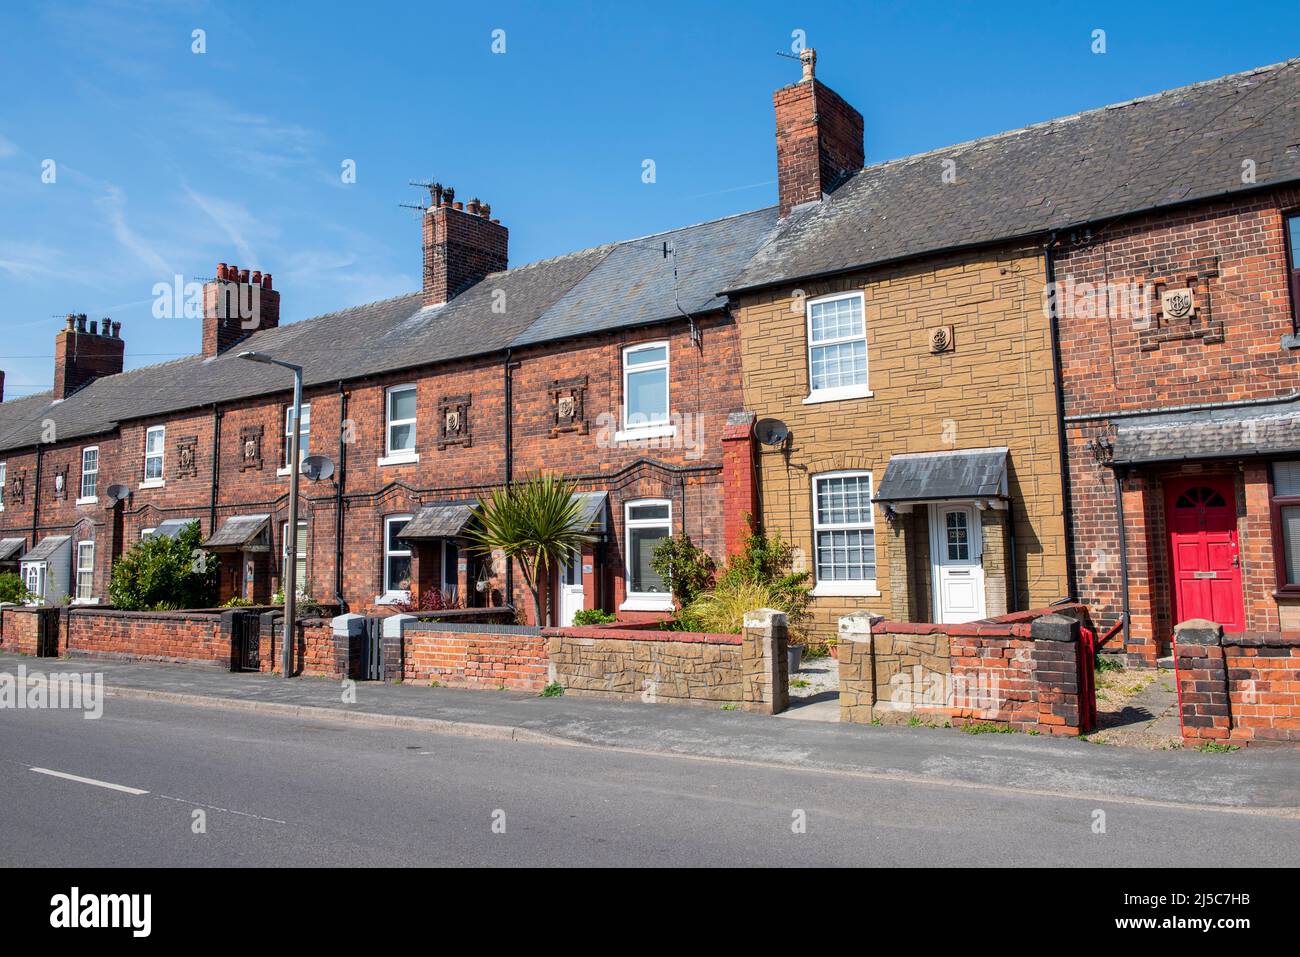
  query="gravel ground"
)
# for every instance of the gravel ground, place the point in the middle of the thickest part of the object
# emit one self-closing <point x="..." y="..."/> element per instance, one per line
<point x="815" y="676"/>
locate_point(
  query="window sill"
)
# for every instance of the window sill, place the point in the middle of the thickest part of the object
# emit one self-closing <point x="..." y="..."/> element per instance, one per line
<point x="648" y="432"/>
<point x="647" y="603"/>
<point x="864" y="589"/>
<point x="85" y="601"/>
<point x="393" y="598"/>
<point x="838" y="395"/>
<point x="399" y="458"/>
<point x="88" y="500"/>
<point x="154" y="483"/>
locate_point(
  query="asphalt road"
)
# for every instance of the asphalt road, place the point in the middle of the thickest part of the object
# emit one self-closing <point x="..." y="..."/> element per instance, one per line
<point x="286" y="792"/>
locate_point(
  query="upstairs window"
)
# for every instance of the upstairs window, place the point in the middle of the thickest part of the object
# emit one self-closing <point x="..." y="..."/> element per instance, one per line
<point x="645" y="388"/>
<point x="401" y="421"/>
<point x="837" y="347"/>
<point x="2" y="486"/>
<point x="154" y="441"/>
<point x="304" y="434"/>
<point x="1293" y="248"/>
<point x="89" y="473"/>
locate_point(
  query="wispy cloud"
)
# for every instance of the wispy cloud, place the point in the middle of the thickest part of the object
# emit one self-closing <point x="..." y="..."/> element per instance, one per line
<point x="113" y="205"/>
<point x="231" y="218"/>
<point x="8" y="147"/>
<point x="31" y="262"/>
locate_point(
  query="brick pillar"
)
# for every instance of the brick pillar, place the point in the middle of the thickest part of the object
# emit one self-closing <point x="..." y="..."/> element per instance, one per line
<point x="997" y="587"/>
<point x="857" y="669"/>
<point x="1202" y="674"/>
<point x="1056" y="673"/>
<point x="739" y="481"/>
<point x="902" y="534"/>
<point x="765" y="669"/>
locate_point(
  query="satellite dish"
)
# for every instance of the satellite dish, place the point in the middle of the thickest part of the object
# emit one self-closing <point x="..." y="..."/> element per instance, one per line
<point x="119" y="493"/>
<point x="317" y="467"/>
<point x="771" y="431"/>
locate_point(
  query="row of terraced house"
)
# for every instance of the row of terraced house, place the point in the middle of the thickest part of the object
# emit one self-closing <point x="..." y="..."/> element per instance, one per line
<point x="1054" y="363"/>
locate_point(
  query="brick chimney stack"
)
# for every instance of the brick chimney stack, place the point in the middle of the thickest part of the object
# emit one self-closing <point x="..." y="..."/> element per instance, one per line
<point x="235" y="305"/>
<point x="82" y="355"/>
<point x="462" y="244"/>
<point x="2" y="385"/>
<point x="818" y="138"/>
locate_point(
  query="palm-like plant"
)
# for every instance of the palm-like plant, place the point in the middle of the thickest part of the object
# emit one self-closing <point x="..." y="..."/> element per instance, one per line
<point x="534" y="522"/>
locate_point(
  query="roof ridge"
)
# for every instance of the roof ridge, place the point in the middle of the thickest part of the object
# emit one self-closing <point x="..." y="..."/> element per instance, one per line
<point x="1072" y="117"/>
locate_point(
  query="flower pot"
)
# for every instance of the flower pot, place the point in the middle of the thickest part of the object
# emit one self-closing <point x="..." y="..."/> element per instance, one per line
<point x="794" y="655"/>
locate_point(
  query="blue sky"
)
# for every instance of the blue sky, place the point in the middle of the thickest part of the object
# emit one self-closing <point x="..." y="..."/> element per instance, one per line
<point x="168" y="161"/>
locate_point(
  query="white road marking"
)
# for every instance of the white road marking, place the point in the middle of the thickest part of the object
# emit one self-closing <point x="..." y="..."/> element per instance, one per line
<point x="80" y="780"/>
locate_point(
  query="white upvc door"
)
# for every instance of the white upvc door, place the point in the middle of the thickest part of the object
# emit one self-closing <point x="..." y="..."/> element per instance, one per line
<point x="571" y="590"/>
<point x="958" y="573"/>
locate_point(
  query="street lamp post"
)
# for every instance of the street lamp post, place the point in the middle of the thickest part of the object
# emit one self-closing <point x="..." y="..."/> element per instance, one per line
<point x="291" y="542"/>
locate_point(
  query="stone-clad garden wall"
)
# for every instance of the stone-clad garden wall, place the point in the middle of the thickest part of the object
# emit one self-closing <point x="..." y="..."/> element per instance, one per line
<point x="1021" y="670"/>
<point x="1241" y="688"/>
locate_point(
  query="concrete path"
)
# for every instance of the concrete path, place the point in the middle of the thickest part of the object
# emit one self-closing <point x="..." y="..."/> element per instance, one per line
<point x="1260" y="780"/>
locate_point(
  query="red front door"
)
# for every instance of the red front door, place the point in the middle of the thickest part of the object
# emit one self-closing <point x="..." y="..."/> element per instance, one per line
<point x="1201" y="516"/>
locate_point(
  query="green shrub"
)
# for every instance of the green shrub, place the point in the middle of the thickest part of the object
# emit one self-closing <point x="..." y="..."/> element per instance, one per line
<point x="768" y="562"/>
<point x="686" y="569"/>
<point x="723" y="609"/>
<point x="593" y="616"/>
<point x="164" y="574"/>
<point x="237" y="602"/>
<point x="552" y="690"/>
<point x="12" y="589"/>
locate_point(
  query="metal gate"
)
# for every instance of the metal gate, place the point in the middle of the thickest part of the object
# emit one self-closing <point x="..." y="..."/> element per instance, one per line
<point x="248" y="639"/>
<point x="372" y="650"/>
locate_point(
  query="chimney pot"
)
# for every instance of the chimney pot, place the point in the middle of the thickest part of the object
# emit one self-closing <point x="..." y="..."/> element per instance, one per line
<point x="94" y="327"/>
<point x="81" y="322"/>
<point x="243" y="275"/>
<point x="486" y="211"/>
<point x="221" y="270"/>
<point x="472" y="206"/>
<point x="809" y="60"/>
<point x="117" y="330"/>
<point x="458" y="206"/>
<point x="72" y="319"/>
<point x="266" y="280"/>
<point x="257" y="277"/>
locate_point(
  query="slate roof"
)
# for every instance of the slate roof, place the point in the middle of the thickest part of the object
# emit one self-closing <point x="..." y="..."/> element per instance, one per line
<point x="1173" y="147"/>
<point x="933" y="476"/>
<point x="173" y="527"/>
<point x="607" y="287"/>
<point x="438" y="520"/>
<point x="592" y="511"/>
<point x="239" y="531"/>
<point x="10" y="547"/>
<point x="46" y="549"/>
<point x="1214" y="433"/>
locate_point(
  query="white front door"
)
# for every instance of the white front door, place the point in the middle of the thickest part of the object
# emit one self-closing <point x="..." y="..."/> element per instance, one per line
<point x="958" y="575"/>
<point x="571" y="590"/>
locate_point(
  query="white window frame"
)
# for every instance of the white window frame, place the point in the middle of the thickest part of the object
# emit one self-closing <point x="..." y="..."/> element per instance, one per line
<point x="160" y="455"/>
<point x="649" y="430"/>
<point x="81" y="569"/>
<point x="643" y="601"/>
<point x="304" y="437"/>
<point x="284" y="556"/>
<point x="865" y="587"/>
<point x="35" y="579"/>
<point x="4" y="466"/>
<point x="145" y="533"/>
<point x="400" y="456"/>
<point x="837" y="393"/>
<point x="392" y="596"/>
<point x="93" y="497"/>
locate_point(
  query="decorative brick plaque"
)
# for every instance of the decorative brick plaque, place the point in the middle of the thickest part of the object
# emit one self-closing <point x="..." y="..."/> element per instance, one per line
<point x="568" y="401"/>
<point x="187" y="456"/>
<point x="453" y="421"/>
<point x="250" y="448"/>
<point x="1183" y="309"/>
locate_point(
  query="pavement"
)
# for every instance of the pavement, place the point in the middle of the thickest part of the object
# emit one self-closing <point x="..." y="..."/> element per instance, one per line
<point x="1252" y="781"/>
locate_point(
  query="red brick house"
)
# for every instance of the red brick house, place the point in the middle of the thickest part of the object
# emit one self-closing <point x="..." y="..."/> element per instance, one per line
<point x="423" y="402"/>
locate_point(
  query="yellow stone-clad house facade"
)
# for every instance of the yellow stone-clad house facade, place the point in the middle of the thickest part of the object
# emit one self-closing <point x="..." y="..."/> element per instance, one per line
<point x="921" y="475"/>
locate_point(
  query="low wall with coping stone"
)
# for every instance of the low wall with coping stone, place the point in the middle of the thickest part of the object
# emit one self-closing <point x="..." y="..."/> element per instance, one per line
<point x="749" y="670"/>
<point x="1237" y="688"/>
<point x="1020" y="670"/>
<point x="176" y="637"/>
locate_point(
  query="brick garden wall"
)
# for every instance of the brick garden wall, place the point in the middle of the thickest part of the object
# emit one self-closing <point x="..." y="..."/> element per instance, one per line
<point x="19" y="628"/>
<point x="475" y="656"/>
<point x="1020" y="670"/>
<point x="1241" y="689"/>
<point x="176" y="637"/>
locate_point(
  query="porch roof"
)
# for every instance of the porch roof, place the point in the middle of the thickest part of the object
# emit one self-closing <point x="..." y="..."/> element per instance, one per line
<point x="173" y="527"/>
<point x="1238" y="432"/>
<point x="438" y="520"/>
<point x="592" y="511"/>
<point x="239" y="533"/>
<point x="10" y="547"/>
<point x="940" y="476"/>
<point x="46" y="549"/>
